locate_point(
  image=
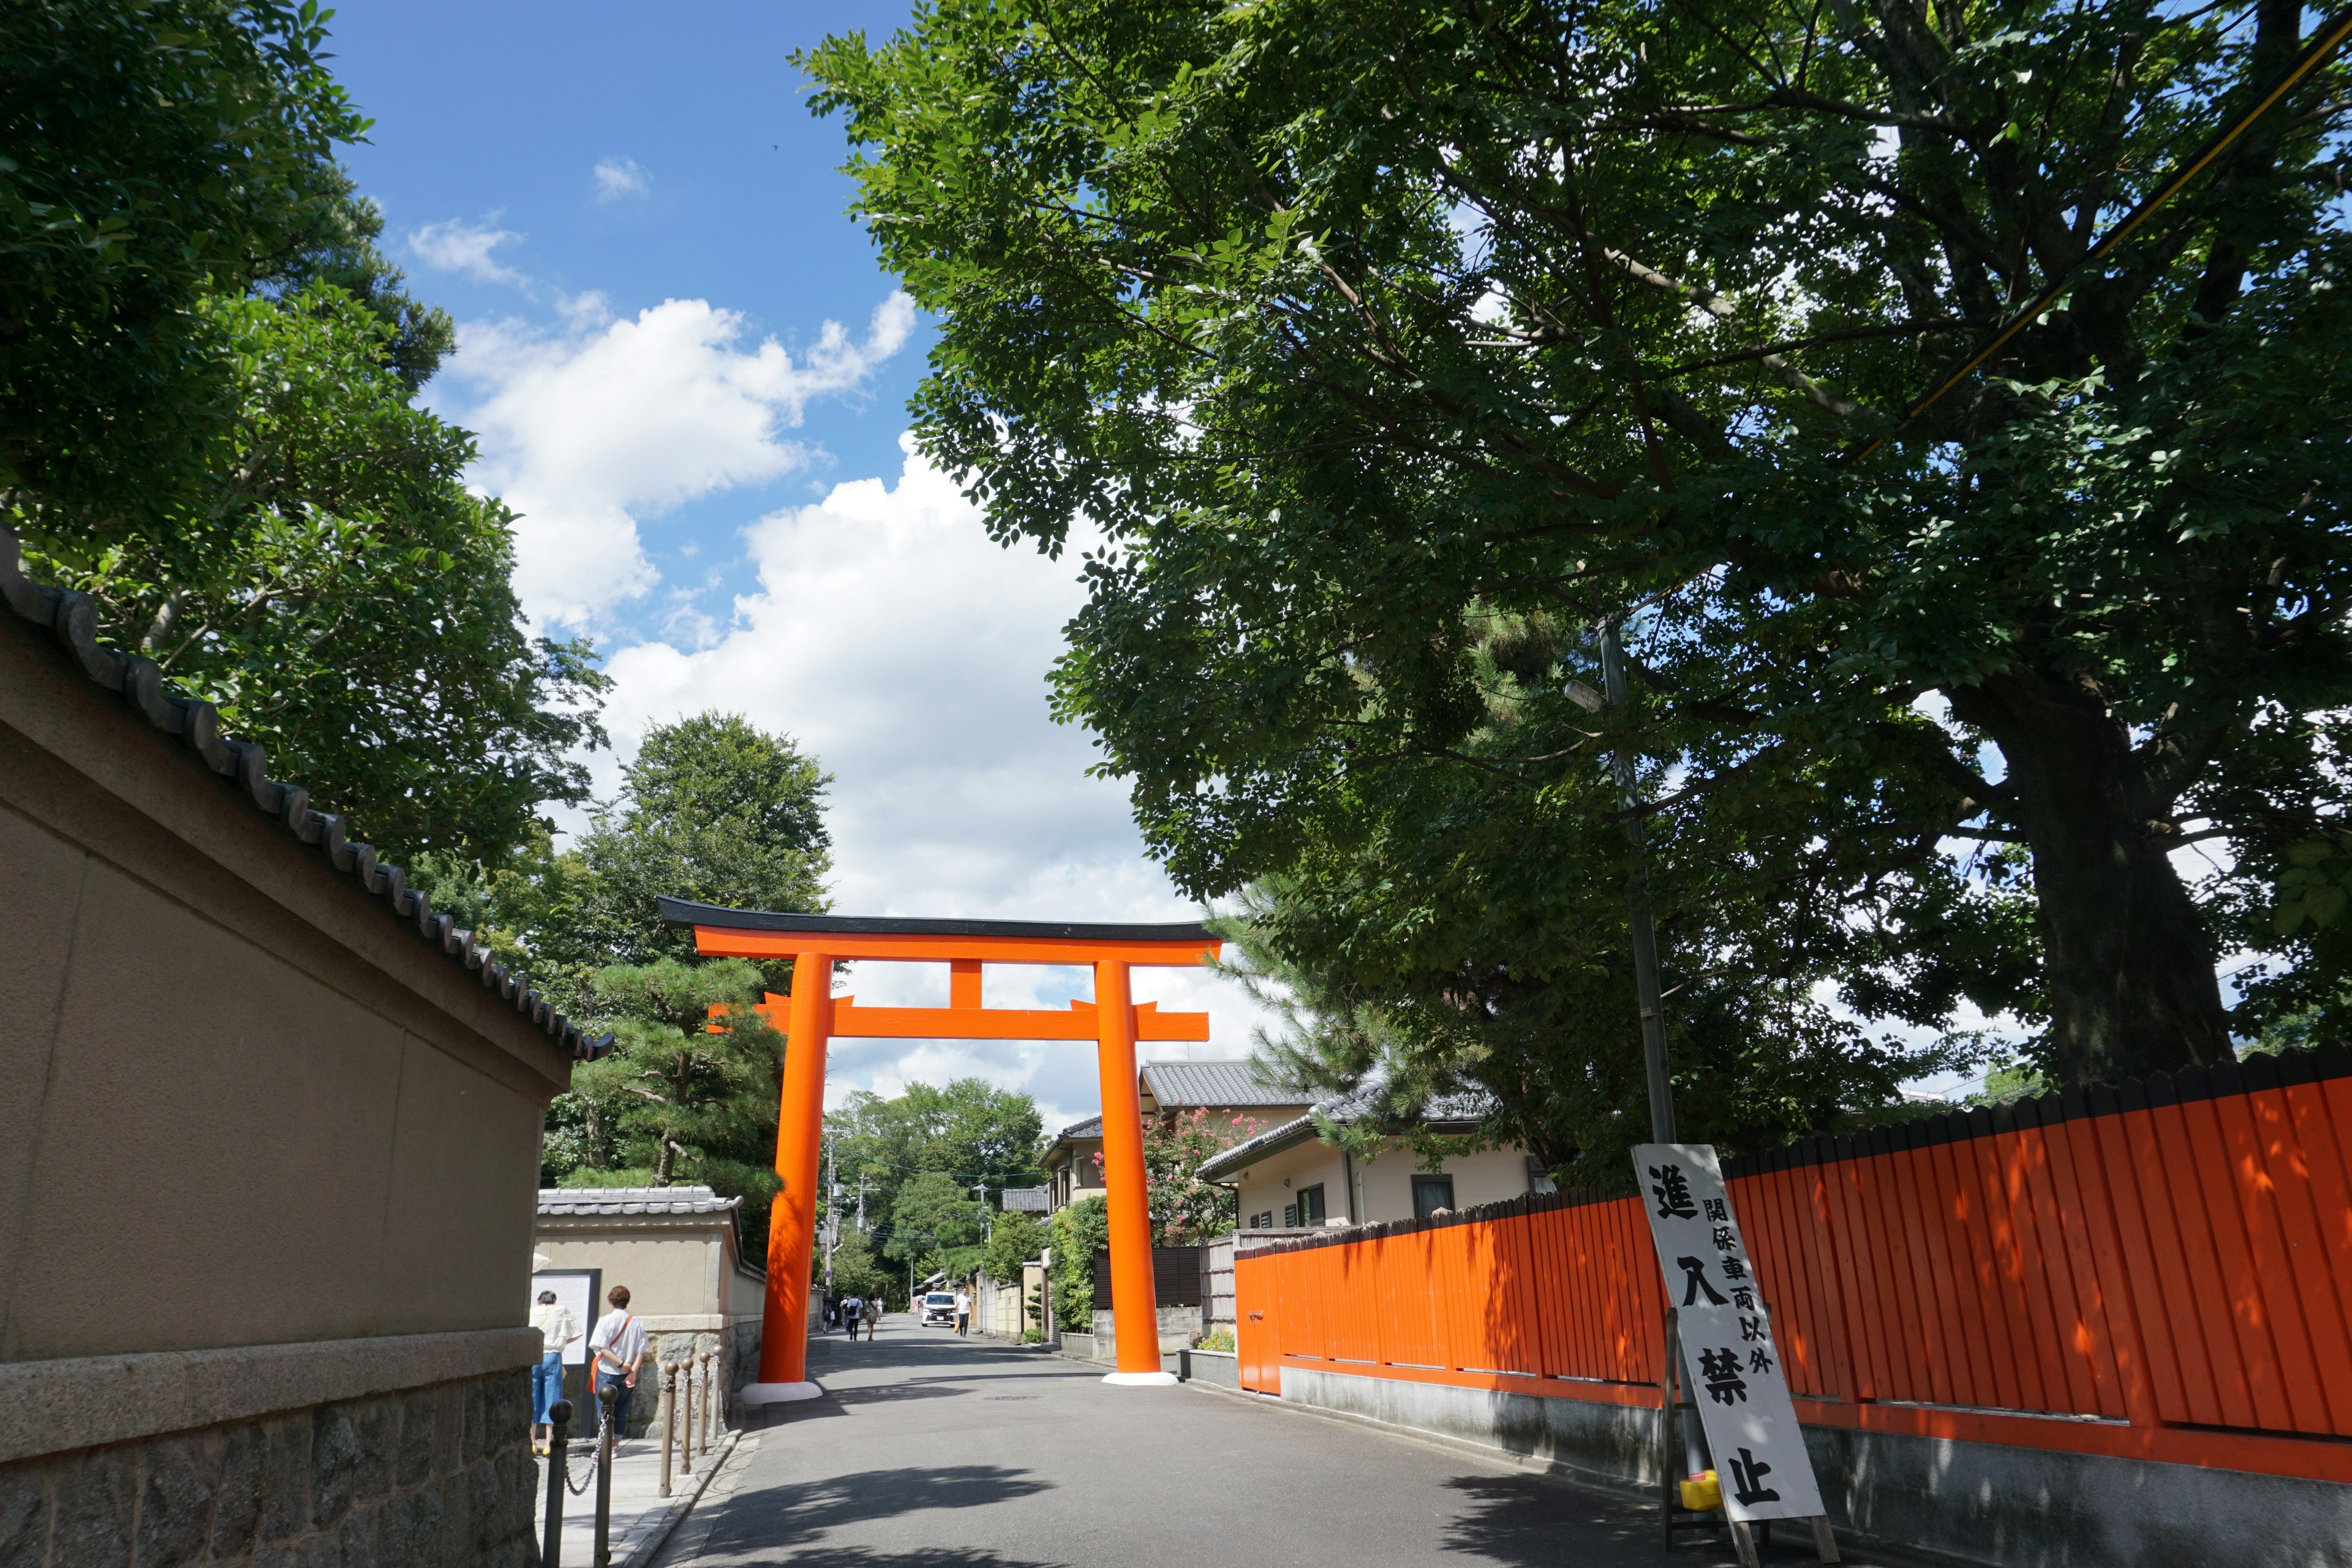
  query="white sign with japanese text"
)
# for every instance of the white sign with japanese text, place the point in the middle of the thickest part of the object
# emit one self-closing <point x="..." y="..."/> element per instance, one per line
<point x="1732" y="1362"/>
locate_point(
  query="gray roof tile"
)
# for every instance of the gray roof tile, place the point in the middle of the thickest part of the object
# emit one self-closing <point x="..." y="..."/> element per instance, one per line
<point x="1179" y="1086"/>
<point x="633" y="1201"/>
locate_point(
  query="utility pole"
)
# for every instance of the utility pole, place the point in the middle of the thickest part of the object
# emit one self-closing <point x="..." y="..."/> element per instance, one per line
<point x="832" y="1215"/>
<point x="1646" y="937"/>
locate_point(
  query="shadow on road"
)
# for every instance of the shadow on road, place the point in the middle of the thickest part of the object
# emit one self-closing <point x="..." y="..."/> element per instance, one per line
<point x="1523" y="1519"/>
<point x="780" y="1516"/>
<point x="925" y="1557"/>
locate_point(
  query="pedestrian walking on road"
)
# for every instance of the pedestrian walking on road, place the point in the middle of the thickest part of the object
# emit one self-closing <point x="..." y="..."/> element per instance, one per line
<point x="872" y="1317"/>
<point x="964" y="1309"/>
<point x="853" y="1310"/>
<point x="616" y="1348"/>
<point x="557" y="1328"/>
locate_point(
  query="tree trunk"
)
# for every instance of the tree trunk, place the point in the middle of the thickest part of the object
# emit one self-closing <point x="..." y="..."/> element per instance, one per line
<point x="2127" y="963"/>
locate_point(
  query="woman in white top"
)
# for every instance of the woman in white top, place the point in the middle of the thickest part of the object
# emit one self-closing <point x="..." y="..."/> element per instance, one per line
<point x="557" y="1328"/>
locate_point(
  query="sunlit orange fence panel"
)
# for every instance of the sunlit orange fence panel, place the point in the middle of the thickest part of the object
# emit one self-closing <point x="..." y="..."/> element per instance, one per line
<point x="2162" y="1269"/>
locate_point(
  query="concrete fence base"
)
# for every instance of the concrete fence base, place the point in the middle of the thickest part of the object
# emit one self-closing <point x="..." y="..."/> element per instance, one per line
<point x="1965" y="1502"/>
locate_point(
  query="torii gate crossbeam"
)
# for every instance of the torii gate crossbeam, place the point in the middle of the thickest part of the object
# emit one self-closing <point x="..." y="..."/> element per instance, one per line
<point x="812" y="1016"/>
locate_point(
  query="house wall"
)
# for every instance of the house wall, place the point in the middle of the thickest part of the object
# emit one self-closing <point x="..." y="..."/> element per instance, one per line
<point x="1384" y="1185"/>
<point x="1275" y="1181"/>
<point x="267" y="1160"/>
<point x="1073" y="1173"/>
<point x="1488" y="1177"/>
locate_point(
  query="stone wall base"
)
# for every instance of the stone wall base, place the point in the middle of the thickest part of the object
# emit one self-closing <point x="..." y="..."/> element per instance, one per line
<point x="438" y="1476"/>
<point x="1977" y="1503"/>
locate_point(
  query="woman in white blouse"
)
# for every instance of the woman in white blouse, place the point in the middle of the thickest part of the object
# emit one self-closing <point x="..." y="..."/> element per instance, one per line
<point x="557" y="1328"/>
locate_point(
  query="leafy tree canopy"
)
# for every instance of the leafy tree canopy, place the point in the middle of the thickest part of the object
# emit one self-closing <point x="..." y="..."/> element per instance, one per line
<point x="159" y="155"/>
<point x="1016" y="1236"/>
<point x="1078" y="1231"/>
<point x="206" y="374"/>
<point x="681" y="1085"/>
<point x="1185" y="1210"/>
<point x="1395" y="351"/>
<point x="937" y="1225"/>
<point x="970" y="1132"/>
<point x="712" y="809"/>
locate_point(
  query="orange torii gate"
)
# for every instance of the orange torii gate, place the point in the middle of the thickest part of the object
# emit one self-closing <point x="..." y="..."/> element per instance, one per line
<point x="812" y="1015"/>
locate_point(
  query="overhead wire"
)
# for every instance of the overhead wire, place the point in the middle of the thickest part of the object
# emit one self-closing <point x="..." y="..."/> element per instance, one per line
<point x="2324" y="43"/>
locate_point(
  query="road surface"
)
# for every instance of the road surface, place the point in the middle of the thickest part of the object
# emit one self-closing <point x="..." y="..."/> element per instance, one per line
<point x="929" y="1451"/>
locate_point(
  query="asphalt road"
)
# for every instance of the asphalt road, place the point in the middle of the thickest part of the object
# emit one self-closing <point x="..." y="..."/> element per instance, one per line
<point x="929" y="1451"/>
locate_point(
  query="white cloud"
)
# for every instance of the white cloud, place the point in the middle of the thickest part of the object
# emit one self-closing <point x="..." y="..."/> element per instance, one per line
<point x="618" y="177"/>
<point x="585" y="430"/>
<point x="910" y="654"/>
<point x="470" y="248"/>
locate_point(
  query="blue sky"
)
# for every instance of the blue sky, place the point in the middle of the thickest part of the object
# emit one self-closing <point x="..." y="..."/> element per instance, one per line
<point x="721" y="186"/>
<point x="688" y="373"/>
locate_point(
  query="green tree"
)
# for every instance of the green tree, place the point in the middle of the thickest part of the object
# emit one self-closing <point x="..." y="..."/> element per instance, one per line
<point x="1015" y="1237"/>
<point x="159" y="156"/>
<point x="685" y="1094"/>
<point x="1078" y="1232"/>
<point x="937" y="1225"/>
<point x="712" y="809"/>
<point x="856" y="1272"/>
<point x="1355" y="328"/>
<point x="352" y="608"/>
<point x="206" y="373"/>
<point x="972" y="1131"/>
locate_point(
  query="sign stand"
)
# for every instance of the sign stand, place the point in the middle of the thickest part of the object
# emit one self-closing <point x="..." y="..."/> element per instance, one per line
<point x="1681" y="1449"/>
<point x="1712" y="1295"/>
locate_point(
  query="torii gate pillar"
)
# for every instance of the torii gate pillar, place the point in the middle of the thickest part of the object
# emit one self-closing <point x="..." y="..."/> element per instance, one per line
<point x="1134" y="1300"/>
<point x="815" y="943"/>
<point x="792" y="1219"/>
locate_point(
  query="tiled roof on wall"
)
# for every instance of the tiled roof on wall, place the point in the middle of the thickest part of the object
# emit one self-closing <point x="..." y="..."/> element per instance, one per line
<point x="72" y="619"/>
<point x="633" y="1201"/>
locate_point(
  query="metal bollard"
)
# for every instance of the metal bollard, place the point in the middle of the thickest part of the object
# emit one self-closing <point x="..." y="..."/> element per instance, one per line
<point x="558" y="1424"/>
<point x="669" y="1421"/>
<point x="686" y="1421"/>
<point x="607" y="1397"/>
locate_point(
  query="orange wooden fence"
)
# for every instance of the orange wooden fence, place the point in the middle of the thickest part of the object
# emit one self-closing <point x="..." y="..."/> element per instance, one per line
<point x="2160" y="1270"/>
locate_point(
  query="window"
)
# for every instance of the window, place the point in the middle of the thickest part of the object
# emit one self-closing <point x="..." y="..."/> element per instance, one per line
<point x="1538" y="1179"/>
<point x="1310" y="1205"/>
<point x="1289" y="1217"/>
<point x="1430" y="1193"/>
<point x="1262" y="1221"/>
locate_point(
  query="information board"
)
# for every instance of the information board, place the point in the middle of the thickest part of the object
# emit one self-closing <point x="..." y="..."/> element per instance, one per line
<point x="1732" y="1360"/>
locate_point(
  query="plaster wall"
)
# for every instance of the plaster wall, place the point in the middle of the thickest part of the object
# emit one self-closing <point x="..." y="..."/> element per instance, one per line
<point x="669" y="1273"/>
<point x="300" y="1121"/>
<point x="262" y="1148"/>
<point x="747" y="1292"/>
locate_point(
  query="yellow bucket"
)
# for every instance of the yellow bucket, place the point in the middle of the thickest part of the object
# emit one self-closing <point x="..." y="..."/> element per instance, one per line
<point x="1702" y="1493"/>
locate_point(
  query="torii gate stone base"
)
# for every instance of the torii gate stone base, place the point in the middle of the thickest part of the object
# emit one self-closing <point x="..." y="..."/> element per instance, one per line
<point x="812" y="1015"/>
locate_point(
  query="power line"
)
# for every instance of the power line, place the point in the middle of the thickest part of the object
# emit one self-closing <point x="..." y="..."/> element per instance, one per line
<point x="2330" y="36"/>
